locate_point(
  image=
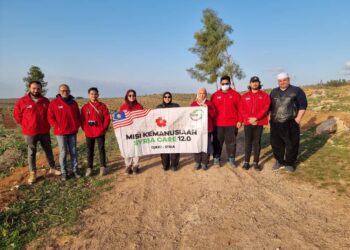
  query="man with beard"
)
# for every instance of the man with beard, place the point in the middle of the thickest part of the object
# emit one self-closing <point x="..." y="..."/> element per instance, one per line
<point x="253" y="109"/>
<point x="30" y="112"/>
<point x="288" y="105"/>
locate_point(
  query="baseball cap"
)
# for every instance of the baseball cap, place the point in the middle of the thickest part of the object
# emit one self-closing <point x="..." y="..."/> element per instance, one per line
<point x="254" y="79"/>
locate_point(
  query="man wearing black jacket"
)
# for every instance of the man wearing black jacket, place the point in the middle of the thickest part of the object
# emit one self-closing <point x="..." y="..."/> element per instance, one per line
<point x="288" y="105"/>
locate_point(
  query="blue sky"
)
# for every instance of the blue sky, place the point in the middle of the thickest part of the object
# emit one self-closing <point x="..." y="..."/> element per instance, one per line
<point x="117" y="45"/>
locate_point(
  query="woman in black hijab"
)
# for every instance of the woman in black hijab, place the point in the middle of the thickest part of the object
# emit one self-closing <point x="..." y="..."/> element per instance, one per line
<point x="169" y="160"/>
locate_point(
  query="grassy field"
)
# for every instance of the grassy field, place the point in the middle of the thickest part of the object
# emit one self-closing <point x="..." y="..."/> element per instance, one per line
<point x="47" y="204"/>
<point x="324" y="161"/>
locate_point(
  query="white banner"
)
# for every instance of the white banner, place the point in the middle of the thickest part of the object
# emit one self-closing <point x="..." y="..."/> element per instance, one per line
<point x="157" y="131"/>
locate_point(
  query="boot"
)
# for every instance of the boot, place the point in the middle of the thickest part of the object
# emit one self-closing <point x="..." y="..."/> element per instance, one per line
<point x="32" y="177"/>
<point x="128" y="170"/>
<point x="103" y="171"/>
<point x="135" y="170"/>
<point x="88" y="172"/>
<point x="53" y="171"/>
<point x="246" y="165"/>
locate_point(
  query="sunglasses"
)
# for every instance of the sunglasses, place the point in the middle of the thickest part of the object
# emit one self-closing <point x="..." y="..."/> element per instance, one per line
<point x="167" y="96"/>
<point x="64" y="90"/>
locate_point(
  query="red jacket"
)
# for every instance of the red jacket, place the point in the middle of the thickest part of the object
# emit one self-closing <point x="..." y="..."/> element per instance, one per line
<point x="101" y="119"/>
<point x="211" y="113"/>
<point x="32" y="116"/>
<point x="254" y="105"/>
<point x="64" y="117"/>
<point x="125" y="107"/>
<point x="226" y="105"/>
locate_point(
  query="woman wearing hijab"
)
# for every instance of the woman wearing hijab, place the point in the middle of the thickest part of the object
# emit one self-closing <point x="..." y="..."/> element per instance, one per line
<point x="131" y="104"/>
<point x="169" y="160"/>
<point x="202" y="159"/>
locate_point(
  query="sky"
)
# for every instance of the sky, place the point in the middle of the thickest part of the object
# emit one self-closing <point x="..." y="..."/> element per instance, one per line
<point x="144" y="45"/>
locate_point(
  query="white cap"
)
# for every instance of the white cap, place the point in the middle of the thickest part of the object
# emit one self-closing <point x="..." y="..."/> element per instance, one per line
<point x="282" y="75"/>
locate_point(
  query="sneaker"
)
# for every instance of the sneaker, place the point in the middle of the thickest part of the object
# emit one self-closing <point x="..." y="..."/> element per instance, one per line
<point x="76" y="175"/>
<point x="64" y="177"/>
<point x="197" y="166"/>
<point x="88" y="172"/>
<point x="216" y="162"/>
<point x="290" y="169"/>
<point x="256" y="166"/>
<point x="165" y="168"/>
<point x="232" y="162"/>
<point x="204" y="166"/>
<point x="246" y="166"/>
<point x="128" y="170"/>
<point x="53" y="171"/>
<point x="103" y="171"/>
<point x="32" y="177"/>
<point x="277" y="166"/>
<point x="135" y="170"/>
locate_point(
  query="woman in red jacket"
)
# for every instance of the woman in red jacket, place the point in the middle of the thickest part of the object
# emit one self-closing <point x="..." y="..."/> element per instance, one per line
<point x="201" y="159"/>
<point x="95" y="119"/>
<point x="253" y="109"/>
<point x="131" y="104"/>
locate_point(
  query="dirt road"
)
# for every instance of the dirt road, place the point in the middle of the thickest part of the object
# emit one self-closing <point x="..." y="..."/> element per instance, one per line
<point x="221" y="208"/>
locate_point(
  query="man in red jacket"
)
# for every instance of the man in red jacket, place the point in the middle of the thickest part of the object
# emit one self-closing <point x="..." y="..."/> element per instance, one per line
<point x="30" y="112"/>
<point x="226" y="101"/>
<point x="64" y="117"/>
<point x="253" y="109"/>
<point x="95" y="119"/>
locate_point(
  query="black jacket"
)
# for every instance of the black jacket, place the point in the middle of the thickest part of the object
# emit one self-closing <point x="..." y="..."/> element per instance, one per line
<point x="168" y="105"/>
<point x="285" y="104"/>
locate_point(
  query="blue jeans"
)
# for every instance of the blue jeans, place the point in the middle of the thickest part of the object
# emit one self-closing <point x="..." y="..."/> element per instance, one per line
<point x="68" y="143"/>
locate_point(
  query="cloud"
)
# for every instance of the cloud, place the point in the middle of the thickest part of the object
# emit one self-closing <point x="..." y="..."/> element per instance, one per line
<point x="346" y="69"/>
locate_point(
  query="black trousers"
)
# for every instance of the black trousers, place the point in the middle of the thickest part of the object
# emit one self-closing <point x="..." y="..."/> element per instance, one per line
<point x="203" y="157"/>
<point x="285" y="138"/>
<point x="170" y="160"/>
<point x="252" y="137"/>
<point x="227" y="135"/>
<point x="90" y="141"/>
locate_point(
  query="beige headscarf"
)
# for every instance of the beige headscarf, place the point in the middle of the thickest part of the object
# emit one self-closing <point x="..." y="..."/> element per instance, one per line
<point x="201" y="102"/>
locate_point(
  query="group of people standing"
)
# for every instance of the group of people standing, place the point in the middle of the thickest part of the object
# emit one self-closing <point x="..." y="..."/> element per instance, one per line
<point x="227" y="112"/>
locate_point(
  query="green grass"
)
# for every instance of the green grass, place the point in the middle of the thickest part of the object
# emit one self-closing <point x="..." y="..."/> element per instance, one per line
<point x="46" y="204"/>
<point x="12" y="139"/>
<point x="324" y="160"/>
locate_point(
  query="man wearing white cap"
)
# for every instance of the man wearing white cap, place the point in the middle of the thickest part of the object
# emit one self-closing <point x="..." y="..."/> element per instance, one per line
<point x="288" y="105"/>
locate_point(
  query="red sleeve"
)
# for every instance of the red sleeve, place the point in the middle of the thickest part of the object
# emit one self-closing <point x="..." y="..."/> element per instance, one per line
<point x="78" y="114"/>
<point x="264" y="110"/>
<point x="51" y="115"/>
<point x="17" y="112"/>
<point x="83" y="117"/>
<point x="106" y="117"/>
<point x="123" y="107"/>
<point x="211" y="110"/>
<point x="240" y="110"/>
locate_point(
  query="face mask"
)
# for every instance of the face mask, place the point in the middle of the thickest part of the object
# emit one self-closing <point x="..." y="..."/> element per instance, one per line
<point x="225" y="87"/>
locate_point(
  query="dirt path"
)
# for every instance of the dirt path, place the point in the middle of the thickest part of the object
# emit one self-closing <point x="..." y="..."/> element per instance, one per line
<point x="221" y="208"/>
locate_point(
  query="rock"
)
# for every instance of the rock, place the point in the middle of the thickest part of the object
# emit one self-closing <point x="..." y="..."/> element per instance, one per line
<point x="331" y="125"/>
<point x="328" y="126"/>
